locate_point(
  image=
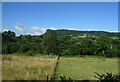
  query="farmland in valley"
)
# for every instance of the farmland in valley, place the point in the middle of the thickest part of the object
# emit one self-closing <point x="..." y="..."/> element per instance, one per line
<point x="28" y="57"/>
<point x="84" y="68"/>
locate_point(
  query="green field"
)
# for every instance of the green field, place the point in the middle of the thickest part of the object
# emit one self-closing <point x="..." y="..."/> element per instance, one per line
<point x="21" y="67"/>
<point x="84" y="68"/>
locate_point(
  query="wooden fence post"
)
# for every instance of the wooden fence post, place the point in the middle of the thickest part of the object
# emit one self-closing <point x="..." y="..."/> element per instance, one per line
<point x="50" y="76"/>
<point x="47" y="78"/>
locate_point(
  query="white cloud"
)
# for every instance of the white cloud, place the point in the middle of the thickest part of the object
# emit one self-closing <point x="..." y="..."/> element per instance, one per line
<point x="0" y="30"/>
<point x="37" y="33"/>
<point x="18" y="28"/>
<point x="93" y="30"/>
<point x="37" y="30"/>
<point x="71" y="29"/>
<point x="34" y="30"/>
<point x="20" y="25"/>
<point x="5" y="29"/>
<point x="114" y="31"/>
<point x="52" y="28"/>
<point x="28" y="33"/>
<point x="43" y="30"/>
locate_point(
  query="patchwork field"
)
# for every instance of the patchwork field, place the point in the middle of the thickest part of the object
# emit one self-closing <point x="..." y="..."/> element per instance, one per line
<point x="26" y="67"/>
<point x="84" y="68"/>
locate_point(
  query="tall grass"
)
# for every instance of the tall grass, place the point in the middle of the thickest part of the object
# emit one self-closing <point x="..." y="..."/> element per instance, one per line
<point x="26" y="67"/>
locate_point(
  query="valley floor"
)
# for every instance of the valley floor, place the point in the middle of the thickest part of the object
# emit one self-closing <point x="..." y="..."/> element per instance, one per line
<point x="18" y="67"/>
<point x="84" y="68"/>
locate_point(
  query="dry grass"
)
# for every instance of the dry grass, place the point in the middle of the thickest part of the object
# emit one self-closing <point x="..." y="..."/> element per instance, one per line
<point x="26" y="67"/>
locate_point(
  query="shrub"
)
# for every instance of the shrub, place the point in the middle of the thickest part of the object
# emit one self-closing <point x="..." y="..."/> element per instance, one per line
<point x="29" y="53"/>
<point x="108" y="76"/>
<point x="64" y="79"/>
<point x="51" y="54"/>
<point x="66" y="52"/>
<point x="45" y="51"/>
<point x="115" y="52"/>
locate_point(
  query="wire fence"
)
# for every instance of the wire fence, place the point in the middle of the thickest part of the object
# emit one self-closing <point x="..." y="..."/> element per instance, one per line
<point x="51" y="74"/>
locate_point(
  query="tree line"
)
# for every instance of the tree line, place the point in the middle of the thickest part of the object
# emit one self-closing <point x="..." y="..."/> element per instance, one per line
<point x="50" y="43"/>
<point x="61" y="32"/>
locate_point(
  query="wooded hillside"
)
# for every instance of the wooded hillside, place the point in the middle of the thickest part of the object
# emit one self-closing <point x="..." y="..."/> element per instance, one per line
<point x="62" y="42"/>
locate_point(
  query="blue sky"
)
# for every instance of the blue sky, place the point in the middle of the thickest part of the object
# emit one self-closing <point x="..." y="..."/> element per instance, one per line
<point x="35" y="17"/>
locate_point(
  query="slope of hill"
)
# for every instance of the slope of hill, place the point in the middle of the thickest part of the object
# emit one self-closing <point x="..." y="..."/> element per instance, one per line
<point x="62" y="32"/>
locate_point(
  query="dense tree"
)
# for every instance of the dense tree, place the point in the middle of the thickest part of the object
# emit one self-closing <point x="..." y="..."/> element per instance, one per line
<point x="87" y="47"/>
<point x="62" y="32"/>
<point x="64" y="43"/>
<point x="75" y="47"/>
<point x="50" y="43"/>
<point x="103" y="46"/>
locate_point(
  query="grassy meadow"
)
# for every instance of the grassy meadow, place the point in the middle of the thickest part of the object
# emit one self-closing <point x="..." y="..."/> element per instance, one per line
<point x="84" y="68"/>
<point x="16" y="67"/>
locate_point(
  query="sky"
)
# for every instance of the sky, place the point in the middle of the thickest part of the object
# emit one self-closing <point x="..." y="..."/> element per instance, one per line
<point x="35" y="17"/>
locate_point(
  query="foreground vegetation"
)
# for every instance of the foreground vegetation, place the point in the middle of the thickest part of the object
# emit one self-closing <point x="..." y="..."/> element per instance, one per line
<point x="84" y="68"/>
<point x="16" y="67"/>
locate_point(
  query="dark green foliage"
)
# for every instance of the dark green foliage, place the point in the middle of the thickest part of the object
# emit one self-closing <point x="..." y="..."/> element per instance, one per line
<point x="103" y="46"/>
<point x="63" y="32"/>
<point x="64" y="45"/>
<point x="24" y="48"/>
<point x="66" y="52"/>
<point x="75" y="46"/>
<point x="8" y="42"/>
<point x="108" y="77"/>
<point x="87" y="47"/>
<point x="50" y="43"/>
<point x="7" y="47"/>
<point x="64" y="79"/>
<point x="29" y="53"/>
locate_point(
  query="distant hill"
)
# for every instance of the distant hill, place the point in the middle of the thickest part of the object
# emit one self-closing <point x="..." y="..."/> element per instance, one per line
<point x="62" y="32"/>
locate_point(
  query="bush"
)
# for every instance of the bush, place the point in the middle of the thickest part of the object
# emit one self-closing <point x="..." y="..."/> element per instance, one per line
<point x="29" y="53"/>
<point x="66" y="52"/>
<point x="45" y="51"/>
<point x="108" y="76"/>
<point x="64" y="79"/>
<point x="51" y="54"/>
<point x="115" y="52"/>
